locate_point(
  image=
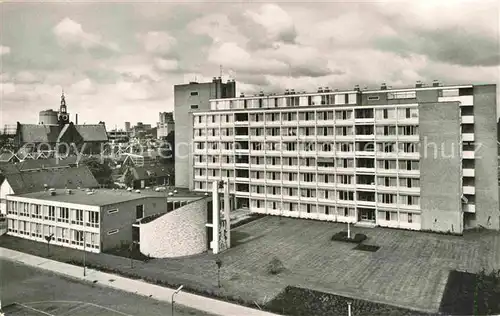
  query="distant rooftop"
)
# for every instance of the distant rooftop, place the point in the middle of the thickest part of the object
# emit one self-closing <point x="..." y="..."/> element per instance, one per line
<point x="103" y="197"/>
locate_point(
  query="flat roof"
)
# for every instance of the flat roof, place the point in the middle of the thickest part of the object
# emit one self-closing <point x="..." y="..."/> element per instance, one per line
<point x="103" y="197"/>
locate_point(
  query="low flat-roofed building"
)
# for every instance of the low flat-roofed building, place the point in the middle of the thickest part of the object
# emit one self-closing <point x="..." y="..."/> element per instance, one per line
<point x="98" y="220"/>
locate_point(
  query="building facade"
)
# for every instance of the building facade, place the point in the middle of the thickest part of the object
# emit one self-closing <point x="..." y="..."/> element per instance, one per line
<point x="165" y="125"/>
<point x="104" y="219"/>
<point x="419" y="158"/>
<point x="191" y="98"/>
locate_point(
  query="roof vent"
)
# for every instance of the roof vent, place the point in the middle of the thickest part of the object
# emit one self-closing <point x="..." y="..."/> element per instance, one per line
<point x="383" y="87"/>
<point x="320" y="89"/>
<point x="137" y="191"/>
<point x="261" y="94"/>
<point x="419" y="84"/>
<point x="242" y="95"/>
<point x="356" y="87"/>
<point x="52" y="189"/>
<point x="292" y="91"/>
<point x="52" y="193"/>
<point x="435" y="83"/>
<point x="69" y="191"/>
<point x="326" y="89"/>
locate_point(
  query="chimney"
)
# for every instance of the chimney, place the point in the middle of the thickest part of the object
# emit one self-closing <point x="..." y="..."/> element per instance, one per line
<point x="356" y="87"/>
<point x="419" y="84"/>
<point x="76" y="119"/>
<point x="435" y="83"/>
<point x="52" y="193"/>
<point x="383" y="87"/>
<point x="45" y="187"/>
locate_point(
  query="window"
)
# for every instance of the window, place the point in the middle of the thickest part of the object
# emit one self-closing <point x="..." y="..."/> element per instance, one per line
<point x="139" y="211"/>
<point x="93" y="219"/>
<point x="387" y="216"/>
<point x="114" y="231"/>
<point x="373" y="98"/>
<point x="410" y="218"/>
<point x="63" y="214"/>
<point x="194" y="92"/>
<point x="194" y="106"/>
<point x="113" y="211"/>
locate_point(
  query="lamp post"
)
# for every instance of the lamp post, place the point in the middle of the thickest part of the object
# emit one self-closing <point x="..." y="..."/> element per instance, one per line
<point x="218" y="262"/>
<point x="349" y="308"/>
<point x="176" y="291"/>
<point x="48" y="238"/>
<point x="130" y="249"/>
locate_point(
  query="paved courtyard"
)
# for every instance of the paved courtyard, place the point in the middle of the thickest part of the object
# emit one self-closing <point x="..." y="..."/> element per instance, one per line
<point x="410" y="268"/>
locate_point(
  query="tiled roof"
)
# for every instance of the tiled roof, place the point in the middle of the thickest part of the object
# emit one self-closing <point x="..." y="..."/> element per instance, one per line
<point x="32" y="133"/>
<point x="6" y="157"/>
<point x="93" y="133"/>
<point x="30" y="164"/>
<point x="39" y="133"/>
<point x="147" y="172"/>
<point x="25" y="182"/>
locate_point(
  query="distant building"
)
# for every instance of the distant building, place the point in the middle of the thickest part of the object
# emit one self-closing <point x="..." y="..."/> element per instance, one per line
<point x="63" y="137"/>
<point x="191" y="98"/>
<point x="141" y="130"/>
<point x="127" y="127"/>
<point x="420" y="158"/>
<point x="165" y="125"/>
<point x="118" y="136"/>
<point x="48" y="117"/>
<point x="148" y="176"/>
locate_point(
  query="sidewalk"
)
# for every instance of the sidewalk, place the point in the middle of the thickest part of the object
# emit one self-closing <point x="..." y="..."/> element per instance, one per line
<point x="133" y="286"/>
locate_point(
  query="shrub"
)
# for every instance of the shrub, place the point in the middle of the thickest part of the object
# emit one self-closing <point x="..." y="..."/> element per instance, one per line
<point x="275" y="266"/>
<point x="360" y="237"/>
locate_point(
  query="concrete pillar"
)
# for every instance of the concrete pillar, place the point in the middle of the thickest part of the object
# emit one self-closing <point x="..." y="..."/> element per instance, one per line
<point x="215" y="218"/>
<point x="227" y="215"/>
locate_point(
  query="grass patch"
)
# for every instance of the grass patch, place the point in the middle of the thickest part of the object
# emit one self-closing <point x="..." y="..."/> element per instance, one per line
<point x="471" y="294"/>
<point x="125" y="252"/>
<point x="295" y="301"/>
<point x="370" y="248"/>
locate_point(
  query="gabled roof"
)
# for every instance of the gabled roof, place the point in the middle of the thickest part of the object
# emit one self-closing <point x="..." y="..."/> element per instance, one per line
<point x="93" y="133"/>
<point x="41" y="133"/>
<point x="25" y="182"/>
<point x="7" y="157"/>
<point x="141" y="173"/>
<point x="38" y="133"/>
<point x="31" y="164"/>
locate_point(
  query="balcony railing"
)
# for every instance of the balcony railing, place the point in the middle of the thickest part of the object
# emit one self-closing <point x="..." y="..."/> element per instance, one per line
<point x="467" y="189"/>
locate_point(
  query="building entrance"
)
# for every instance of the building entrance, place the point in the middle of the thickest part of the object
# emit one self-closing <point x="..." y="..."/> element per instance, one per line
<point x="366" y="215"/>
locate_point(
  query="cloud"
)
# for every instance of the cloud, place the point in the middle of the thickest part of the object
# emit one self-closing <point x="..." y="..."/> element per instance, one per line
<point x="166" y="64"/>
<point x="27" y="77"/>
<point x="71" y="33"/>
<point x="277" y="23"/>
<point x="84" y="86"/>
<point x="157" y="42"/>
<point x="4" y="50"/>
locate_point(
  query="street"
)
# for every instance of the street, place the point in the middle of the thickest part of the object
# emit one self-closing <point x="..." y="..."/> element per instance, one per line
<point x="29" y="291"/>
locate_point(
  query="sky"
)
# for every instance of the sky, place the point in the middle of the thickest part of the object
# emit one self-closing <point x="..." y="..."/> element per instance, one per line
<point x="118" y="61"/>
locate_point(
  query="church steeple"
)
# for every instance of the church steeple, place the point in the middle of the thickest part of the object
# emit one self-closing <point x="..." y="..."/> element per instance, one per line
<point x="63" y="111"/>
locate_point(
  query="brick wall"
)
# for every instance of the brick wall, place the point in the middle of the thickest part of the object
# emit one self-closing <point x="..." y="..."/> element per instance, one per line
<point x="178" y="233"/>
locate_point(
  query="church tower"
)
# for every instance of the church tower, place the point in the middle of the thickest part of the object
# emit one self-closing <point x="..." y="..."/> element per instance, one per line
<point x="63" y="113"/>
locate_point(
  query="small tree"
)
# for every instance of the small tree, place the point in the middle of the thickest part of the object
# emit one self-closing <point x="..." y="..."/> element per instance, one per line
<point x="128" y="178"/>
<point x="275" y="266"/>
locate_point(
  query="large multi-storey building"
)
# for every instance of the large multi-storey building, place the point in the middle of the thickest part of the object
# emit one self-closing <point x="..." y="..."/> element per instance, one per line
<point x="190" y="98"/>
<point x="421" y="158"/>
